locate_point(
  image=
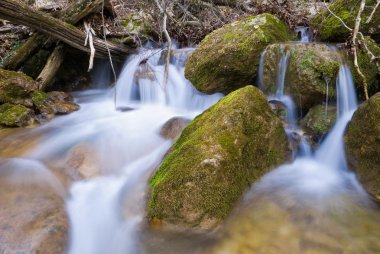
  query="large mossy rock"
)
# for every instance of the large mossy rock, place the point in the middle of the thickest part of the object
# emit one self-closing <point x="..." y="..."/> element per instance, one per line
<point x="362" y="140"/>
<point x="16" y="88"/>
<point x="309" y="66"/>
<point x="219" y="154"/>
<point x="331" y="29"/>
<point x="228" y="58"/>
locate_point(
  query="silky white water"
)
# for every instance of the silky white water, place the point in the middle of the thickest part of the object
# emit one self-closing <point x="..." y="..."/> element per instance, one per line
<point x="106" y="209"/>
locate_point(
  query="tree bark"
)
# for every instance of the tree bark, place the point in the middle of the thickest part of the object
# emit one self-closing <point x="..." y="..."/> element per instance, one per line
<point x="52" y="65"/>
<point x="19" y="13"/>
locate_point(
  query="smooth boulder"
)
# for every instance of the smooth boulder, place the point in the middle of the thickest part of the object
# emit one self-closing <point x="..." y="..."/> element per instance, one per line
<point x="362" y="139"/>
<point x="228" y="58"/>
<point x="309" y="67"/>
<point x="217" y="157"/>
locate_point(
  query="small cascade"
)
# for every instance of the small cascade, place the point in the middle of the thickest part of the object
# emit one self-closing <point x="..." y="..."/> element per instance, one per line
<point x="332" y="149"/>
<point x="304" y="34"/>
<point x="142" y="82"/>
<point x="260" y="76"/>
<point x="315" y="179"/>
<point x="293" y="131"/>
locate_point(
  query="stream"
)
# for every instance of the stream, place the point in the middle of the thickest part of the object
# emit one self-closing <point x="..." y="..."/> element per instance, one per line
<point x="105" y="201"/>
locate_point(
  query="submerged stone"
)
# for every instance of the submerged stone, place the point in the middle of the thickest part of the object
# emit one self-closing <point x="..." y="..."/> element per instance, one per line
<point x="15" y="115"/>
<point x="331" y="28"/>
<point x="309" y="67"/>
<point x="173" y="127"/>
<point x="218" y="155"/>
<point x="228" y="58"/>
<point x="362" y="140"/>
<point x="16" y="88"/>
<point x="32" y="214"/>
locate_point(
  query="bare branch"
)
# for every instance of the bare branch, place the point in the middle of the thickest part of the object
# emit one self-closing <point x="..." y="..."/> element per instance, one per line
<point x="336" y="16"/>
<point x="354" y="48"/>
<point x="373" y="12"/>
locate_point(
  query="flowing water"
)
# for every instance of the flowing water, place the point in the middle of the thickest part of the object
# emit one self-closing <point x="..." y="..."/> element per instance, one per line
<point x="105" y="202"/>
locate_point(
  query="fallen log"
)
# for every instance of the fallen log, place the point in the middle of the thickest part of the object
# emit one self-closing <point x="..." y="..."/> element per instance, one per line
<point x="72" y="15"/>
<point x="19" y="13"/>
<point x="52" y="65"/>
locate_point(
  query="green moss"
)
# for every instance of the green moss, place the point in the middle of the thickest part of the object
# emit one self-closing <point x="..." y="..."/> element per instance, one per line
<point x="228" y="57"/>
<point x="218" y="155"/>
<point x="363" y="144"/>
<point x="15" y="87"/>
<point x="39" y="98"/>
<point x="331" y="29"/>
<point x="15" y="115"/>
<point x="318" y="121"/>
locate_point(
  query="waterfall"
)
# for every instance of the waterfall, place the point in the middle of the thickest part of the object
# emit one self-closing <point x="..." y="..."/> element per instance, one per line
<point x="331" y="151"/>
<point x="304" y="34"/>
<point x="315" y="178"/>
<point x="292" y="129"/>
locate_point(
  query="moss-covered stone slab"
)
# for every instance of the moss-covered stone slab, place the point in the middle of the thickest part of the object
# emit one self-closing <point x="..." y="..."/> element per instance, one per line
<point x="16" y="88"/>
<point x="228" y="58"/>
<point x="362" y="140"/>
<point x="309" y="67"/>
<point x="15" y="115"/>
<point x="217" y="157"/>
<point x="331" y="29"/>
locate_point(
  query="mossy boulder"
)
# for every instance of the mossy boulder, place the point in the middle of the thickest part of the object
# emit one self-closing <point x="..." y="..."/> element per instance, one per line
<point x="217" y="157"/>
<point x="369" y="68"/>
<point x="16" y="88"/>
<point x="228" y="58"/>
<point x="309" y="67"/>
<point x="15" y="115"/>
<point x="318" y="121"/>
<point x="331" y="29"/>
<point x="362" y="140"/>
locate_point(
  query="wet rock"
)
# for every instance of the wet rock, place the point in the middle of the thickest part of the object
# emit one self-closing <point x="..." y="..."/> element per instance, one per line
<point x="309" y="66"/>
<point x="272" y="227"/>
<point x="15" y="115"/>
<point x="362" y="139"/>
<point x="173" y="128"/>
<point x="331" y="29"/>
<point x="228" y="58"/>
<point x="32" y="217"/>
<point x="318" y="121"/>
<point x="16" y="88"/>
<point x="54" y="103"/>
<point x="82" y="163"/>
<point x="218" y="155"/>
